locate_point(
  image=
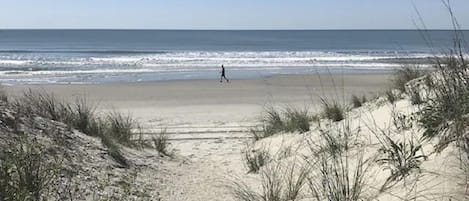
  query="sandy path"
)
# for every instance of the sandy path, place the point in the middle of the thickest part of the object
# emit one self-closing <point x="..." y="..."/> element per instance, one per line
<point x="208" y="156"/>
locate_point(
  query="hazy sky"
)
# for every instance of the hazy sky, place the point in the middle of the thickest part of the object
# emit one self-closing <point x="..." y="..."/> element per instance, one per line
<point x="228" y="14"/>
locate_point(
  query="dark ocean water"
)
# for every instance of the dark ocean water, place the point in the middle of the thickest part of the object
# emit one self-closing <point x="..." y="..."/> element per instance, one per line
<point x="98" y="56"/>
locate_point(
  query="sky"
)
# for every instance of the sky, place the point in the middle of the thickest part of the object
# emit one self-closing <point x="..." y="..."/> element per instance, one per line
<point x="229" y="14"/>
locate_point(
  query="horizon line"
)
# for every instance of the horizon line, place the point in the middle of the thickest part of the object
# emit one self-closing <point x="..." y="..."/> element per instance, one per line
<point x="150" y="29"/>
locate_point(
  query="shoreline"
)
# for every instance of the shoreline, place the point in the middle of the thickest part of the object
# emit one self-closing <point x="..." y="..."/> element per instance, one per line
<point x="359" y="72"/>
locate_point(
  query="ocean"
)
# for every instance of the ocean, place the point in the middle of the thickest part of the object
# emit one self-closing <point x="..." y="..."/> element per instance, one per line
<point x="110" y="56"/>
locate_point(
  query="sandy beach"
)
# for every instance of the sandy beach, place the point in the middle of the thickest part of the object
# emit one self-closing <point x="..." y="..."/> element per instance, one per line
<point x="170" y="103"/>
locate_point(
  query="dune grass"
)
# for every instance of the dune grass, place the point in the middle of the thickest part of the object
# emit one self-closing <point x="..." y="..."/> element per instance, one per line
<point x="415" y="97"/>
<point x="405" y="74"/>
<point x="296" y="120"/>
<point x="274" y="121"/>
<point x="401" y="158"/>
<point x="337" y="177"/>
<point x="446" y="115"/>
<point x="333" y="110"/>
<point x="336" y="170"/>
<point x="279" y="183"/>
<point x="114" y="129"/>
<point x="255" y="159"/>
<point x="391" y="96"/>
<point x="161" y="143"/>
<point x="358" y="102"/>
<point x="119" y="127"/>
<point x="25" y="173"/>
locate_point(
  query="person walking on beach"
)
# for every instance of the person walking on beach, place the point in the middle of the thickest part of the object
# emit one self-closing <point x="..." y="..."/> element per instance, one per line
<point x="223" y="74"/>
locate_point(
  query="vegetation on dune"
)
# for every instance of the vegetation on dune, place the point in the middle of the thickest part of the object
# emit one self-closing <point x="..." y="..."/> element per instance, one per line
<point x="401" y="158"/>
<point x="333" y="110"/>
<point x="280" y="182"/>
<point x="358" y="102"/>
<point x="446" y="114"/>
<point x="405" y="74"/>
<point x="114" y="129"/>
<point x="120" y="127"/>
<point x="255" y="159"/>
<point x="336" y="178"/>
<point x="328" y="174"/>
<point x="161" y="143"/>
<point x="296" y="120"/>
<point x="32" y="167"/>
<point x="290" y="120"/>
<point x="415" y="97"/>
<point x="391" y="96"/>
<point x="338" y="168"/>
<point x="25" y="173"/>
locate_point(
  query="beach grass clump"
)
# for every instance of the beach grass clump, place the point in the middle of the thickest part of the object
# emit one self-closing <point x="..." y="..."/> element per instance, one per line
<point x="280" y="182"/>
<point x="296" y="120"/>
<point x="255" y="159"/>
<point x="25" y="174"/>
<point x="114" y="150"/>
<point x="401" y="158"/>
<point x="289" y="120"/>
<point x="82" y="116"/>
<point x="333" y="110"/>
<point x="405" y="74"/>
<point x="357" y="101"/>
<point x="446" y="116"/>
<point x="273" y="122"/>
<point x="119" y="127"/>
<point x="161" y="143"/>
<point x="42" y="104"/>
<point x="340" y="169"/>
<point x="113" y="129"/>
<point x="415" y="97"/>
<point x="337" y="170"/>
<point x="79" y="115"/>
<point x="391" y="96"/>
